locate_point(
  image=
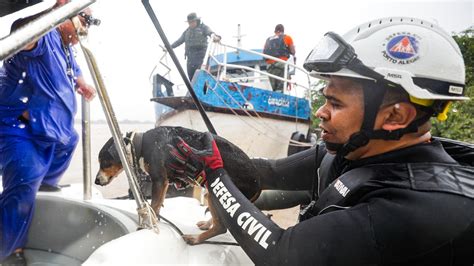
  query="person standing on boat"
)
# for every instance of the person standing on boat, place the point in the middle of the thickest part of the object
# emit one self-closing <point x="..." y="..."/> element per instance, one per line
<point x="37" y="135"/>
<point x="280" y="46"/>
<point x="195" y="43"/>
<point x="385" y="192"/>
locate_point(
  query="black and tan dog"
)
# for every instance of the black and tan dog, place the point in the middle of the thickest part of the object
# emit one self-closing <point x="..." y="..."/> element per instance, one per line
<point x="151" y="151"/>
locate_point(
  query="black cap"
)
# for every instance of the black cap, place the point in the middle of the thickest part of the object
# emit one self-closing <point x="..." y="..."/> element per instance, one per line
<point x="192" y="16"/>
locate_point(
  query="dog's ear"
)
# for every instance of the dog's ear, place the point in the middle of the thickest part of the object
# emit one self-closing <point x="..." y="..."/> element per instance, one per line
<point x="109" y="152"/>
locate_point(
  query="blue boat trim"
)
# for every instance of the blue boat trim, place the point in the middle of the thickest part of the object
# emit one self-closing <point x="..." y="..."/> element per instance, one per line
<point x="234" y="96"/>
<point x="239" y="58"/>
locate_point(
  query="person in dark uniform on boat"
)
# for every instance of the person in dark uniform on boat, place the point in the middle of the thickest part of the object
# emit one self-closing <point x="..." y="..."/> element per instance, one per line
<point x="280" y="46"/>
<point x="385" y="192"/>
<point x="37" y="135"/>
<point x="195" y="42"/>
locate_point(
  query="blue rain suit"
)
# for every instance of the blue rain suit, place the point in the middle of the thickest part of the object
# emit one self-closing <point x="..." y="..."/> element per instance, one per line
<point x="39" y="149"/>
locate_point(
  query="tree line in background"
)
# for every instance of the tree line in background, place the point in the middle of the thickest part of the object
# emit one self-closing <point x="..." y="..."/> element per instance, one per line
<point x="460" y="122"/>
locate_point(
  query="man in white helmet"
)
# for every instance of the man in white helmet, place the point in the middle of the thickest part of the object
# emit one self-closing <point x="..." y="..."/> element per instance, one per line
<point x="385" y="192"/>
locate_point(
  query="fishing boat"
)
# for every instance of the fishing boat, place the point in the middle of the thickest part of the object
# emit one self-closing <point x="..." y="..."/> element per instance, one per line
<point x="234" y="90"/>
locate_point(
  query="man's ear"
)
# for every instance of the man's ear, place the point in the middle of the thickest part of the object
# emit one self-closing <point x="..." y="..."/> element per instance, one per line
<point x="397" y="116"/>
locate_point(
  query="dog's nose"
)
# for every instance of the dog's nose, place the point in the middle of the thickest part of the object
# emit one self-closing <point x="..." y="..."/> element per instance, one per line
<point x="97" y="179"/>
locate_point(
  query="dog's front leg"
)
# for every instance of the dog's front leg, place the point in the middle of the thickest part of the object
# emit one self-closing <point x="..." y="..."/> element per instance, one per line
<point x="158" y="191"/>
<point x="216" y="229"/>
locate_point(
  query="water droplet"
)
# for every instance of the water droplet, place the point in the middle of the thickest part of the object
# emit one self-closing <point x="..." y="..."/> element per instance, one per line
<point x="22" y="125"/>
<point x="101" y="232"/>
<point x="24" y="99"/>
<point x="23" y="74"/>
<point x="87" y="236"/>
<point x="50" y="250"/>
<point x="93" y="247"/>
<point x="100" y="223"/>
<point x="20" y="81"/>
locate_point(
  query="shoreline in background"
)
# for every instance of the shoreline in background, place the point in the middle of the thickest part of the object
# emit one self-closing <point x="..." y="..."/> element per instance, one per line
<point x="125" y="121"/>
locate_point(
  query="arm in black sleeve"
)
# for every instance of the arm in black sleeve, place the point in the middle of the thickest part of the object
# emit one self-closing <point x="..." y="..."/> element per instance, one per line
<point x="295" y="172"/>
<point x="179" y="41"/>
<point x="206" y="30"/>
<point x="337" y="238"/>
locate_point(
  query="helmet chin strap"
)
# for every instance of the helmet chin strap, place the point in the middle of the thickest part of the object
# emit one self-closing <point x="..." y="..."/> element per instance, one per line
<point x="373" y="97"/>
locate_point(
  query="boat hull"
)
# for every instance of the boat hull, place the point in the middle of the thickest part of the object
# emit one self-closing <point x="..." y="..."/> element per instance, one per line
<point x="256" y="136"/>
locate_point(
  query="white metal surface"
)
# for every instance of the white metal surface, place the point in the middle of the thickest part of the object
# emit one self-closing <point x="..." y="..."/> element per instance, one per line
<point x="167" y="247"/>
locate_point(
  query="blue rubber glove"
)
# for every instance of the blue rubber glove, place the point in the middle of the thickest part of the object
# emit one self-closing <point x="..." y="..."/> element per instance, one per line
<point x="192" y="164"/>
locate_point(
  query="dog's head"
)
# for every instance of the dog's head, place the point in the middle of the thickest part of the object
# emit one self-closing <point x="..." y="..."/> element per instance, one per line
<point x="110" y="164"/>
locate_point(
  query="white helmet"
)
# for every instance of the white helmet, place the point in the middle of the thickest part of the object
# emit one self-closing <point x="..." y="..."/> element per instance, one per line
<point x="401" y="52"/>
<point x="414" y="53"/>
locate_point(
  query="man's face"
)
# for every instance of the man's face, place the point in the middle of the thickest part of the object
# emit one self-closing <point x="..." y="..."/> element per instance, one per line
<point x="192" y="24"/>
<point x="73" y="28"/>
<point x="343" y="111"/>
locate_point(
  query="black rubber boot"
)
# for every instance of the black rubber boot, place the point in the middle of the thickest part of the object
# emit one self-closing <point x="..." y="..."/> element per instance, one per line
<point x="49" y="188"/>
<point x="15" y="259"/>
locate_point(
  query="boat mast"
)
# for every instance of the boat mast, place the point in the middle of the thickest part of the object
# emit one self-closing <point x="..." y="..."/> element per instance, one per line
<point x="239" y="39"/>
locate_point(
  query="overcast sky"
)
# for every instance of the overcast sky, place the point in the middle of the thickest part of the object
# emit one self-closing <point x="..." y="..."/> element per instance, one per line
<point x="127" y="45"/>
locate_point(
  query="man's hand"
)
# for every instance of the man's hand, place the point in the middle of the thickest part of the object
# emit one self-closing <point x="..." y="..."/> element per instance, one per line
<point x="216" y="38"/>
<point x="87" y="91"/>
<point x="189" y="163"/>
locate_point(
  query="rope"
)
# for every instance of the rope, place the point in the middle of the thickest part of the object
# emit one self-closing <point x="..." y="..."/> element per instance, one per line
<point x="204" y="242"/>
<point x="152" y="219"/>
<point x="295" y="143"/>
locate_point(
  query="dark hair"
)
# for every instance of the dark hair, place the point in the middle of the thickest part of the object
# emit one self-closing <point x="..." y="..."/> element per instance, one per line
<point x="23" y="21"/>
<point x="279" y="28"/>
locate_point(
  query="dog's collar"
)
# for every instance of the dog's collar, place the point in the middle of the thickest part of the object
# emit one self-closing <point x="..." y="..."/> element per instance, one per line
<point x="134" y="148"/>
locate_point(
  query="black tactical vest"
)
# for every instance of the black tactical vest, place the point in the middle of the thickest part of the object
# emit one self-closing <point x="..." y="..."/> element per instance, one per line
<point x="276" y="47"/>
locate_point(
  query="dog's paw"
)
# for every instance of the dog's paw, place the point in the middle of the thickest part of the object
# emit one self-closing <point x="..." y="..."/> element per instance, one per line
<point x="204" y="225"/>
<point x="191" y="239"/>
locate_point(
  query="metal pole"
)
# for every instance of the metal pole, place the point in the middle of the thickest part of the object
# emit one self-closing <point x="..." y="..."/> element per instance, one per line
<point x="198" y="104"/>
<point x="39" y="27"/>
<point x="113" y="125"/>
<point x="86" y="149"/>
<point x="146" y="215"/>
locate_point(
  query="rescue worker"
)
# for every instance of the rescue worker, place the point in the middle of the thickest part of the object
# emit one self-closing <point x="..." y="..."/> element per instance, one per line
<point x="195" y="42"/>
<point x="385" y="191"/>
<point x="37" y="135"/>
<point x="280" y="46"/>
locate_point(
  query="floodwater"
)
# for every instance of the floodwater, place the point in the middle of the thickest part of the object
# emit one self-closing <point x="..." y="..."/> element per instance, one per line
<point x="100" y="133"/>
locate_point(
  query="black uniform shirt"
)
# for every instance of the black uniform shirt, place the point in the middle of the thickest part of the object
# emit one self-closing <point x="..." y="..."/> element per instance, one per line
<point x="387" y="226"/>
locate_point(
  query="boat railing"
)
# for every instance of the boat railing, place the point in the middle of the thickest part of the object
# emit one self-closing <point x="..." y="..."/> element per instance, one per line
<point x="223" y="49"/>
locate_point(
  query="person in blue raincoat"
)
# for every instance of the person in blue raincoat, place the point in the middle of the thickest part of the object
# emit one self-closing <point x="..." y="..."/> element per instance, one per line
<point x="37" y="135"/>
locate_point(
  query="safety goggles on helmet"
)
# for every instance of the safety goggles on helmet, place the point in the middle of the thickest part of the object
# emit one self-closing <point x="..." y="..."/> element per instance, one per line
<point x="332" y="54"/>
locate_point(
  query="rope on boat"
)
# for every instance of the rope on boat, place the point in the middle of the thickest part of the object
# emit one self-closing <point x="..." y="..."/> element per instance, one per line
<point x="282" y="139"/>
<point x="204" y="242"/>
